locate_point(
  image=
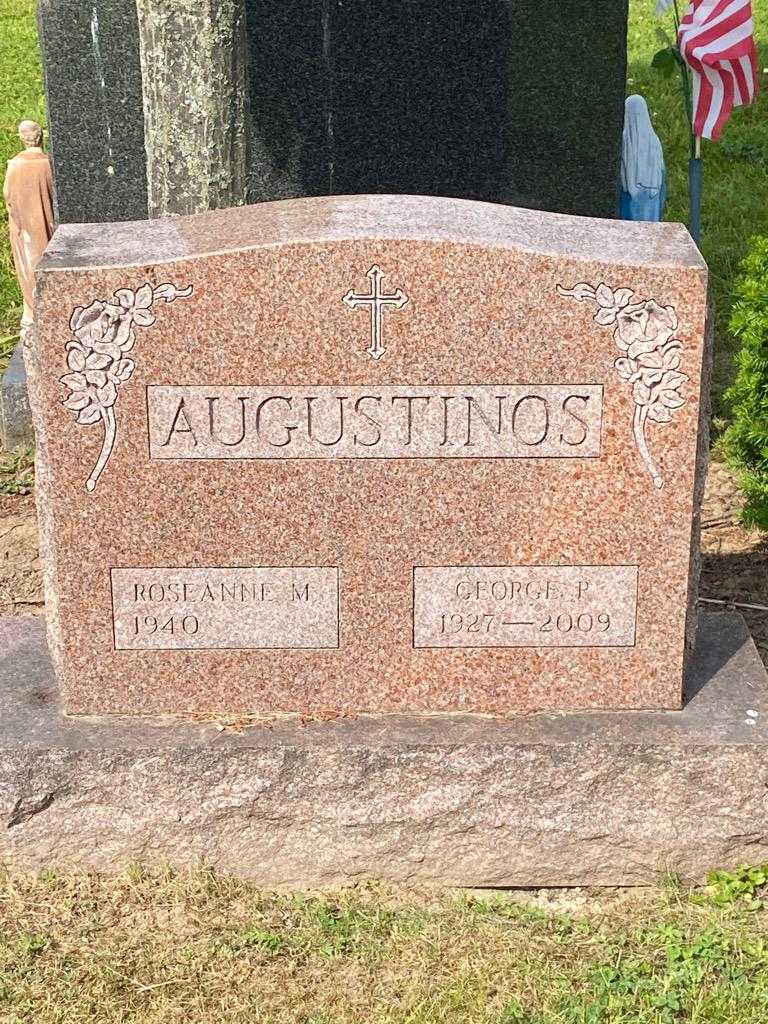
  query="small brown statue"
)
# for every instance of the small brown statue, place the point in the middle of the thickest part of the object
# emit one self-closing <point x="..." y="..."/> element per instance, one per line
<point x="28" y="193"/>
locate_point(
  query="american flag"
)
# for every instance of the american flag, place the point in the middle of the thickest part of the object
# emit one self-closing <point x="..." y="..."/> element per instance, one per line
<point x="716" y="42"/>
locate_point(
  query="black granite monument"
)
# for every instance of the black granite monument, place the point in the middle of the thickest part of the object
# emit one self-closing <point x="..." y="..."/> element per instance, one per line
<point x="92" y="79"/>
<point x="513" y="101"/>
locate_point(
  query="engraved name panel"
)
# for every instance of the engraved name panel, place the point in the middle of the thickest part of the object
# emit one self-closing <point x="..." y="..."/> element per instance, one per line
<point x="525" y="606"/>
<point x="379" y="422"/>
<point x="236" y="609"/>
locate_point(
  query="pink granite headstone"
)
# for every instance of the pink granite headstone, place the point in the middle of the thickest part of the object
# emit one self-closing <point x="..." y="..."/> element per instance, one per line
<point x="370" y="454"/>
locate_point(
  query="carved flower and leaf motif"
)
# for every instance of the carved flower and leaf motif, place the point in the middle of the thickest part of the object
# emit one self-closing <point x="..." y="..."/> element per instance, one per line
<point x="650" y="356"/>
<point x="98" y="359"/>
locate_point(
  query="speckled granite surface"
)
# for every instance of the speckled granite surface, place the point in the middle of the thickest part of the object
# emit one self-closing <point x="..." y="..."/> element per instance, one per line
<point x="582" y="798"/>
<point x="226" y="391"/>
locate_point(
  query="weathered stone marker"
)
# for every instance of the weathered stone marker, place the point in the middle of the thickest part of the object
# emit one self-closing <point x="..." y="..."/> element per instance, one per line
<point x="370" y="454"/>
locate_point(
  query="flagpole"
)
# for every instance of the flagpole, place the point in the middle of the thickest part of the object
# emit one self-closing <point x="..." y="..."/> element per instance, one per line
<point x="719" y="43"/>
<point x="694" y="161"/>
<point x="695" y="175"/>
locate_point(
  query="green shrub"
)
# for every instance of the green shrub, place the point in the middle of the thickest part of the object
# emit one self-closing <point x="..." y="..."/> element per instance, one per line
<point x="746" y="441"/>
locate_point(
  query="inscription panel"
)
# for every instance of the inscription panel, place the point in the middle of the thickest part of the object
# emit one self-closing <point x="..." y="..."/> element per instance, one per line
<point x="379" y="422"/>
<point x="236" y="609"/>
<point x="525" y="606"/>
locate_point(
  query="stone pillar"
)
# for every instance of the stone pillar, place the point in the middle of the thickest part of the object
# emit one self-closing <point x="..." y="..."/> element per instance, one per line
<point x="194" y="77"/>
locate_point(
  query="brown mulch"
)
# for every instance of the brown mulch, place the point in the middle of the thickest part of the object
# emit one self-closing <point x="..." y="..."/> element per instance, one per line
<point x="734" y="560"/>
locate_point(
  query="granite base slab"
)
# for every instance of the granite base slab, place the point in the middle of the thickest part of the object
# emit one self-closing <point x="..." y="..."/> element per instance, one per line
<point x="591" y="798"/>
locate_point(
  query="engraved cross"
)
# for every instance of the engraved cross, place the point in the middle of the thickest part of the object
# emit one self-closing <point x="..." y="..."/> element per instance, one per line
<point x="378" y="301"/>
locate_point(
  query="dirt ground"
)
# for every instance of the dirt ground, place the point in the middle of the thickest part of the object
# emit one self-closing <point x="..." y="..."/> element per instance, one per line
<point x="734" y="562"/>
<point x="21" y="585"/>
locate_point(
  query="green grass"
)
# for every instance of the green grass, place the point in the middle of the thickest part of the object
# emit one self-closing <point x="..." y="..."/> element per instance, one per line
<point x="154" y="947"/>
<point x="17" y="471"/>
<point x="735" y="200"/>
<point x="21" y="95"/>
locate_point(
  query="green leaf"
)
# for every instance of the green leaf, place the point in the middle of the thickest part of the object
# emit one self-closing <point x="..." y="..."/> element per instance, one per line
<point x="665" y="61"/>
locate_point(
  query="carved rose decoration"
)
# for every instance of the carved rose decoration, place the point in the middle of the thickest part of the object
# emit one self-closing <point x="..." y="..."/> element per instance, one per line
<point x="98" y="359"/>
<point x="650" y="356"/>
